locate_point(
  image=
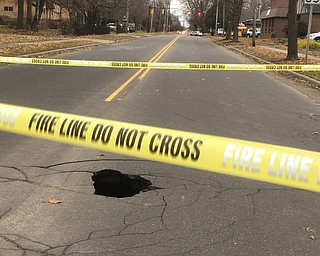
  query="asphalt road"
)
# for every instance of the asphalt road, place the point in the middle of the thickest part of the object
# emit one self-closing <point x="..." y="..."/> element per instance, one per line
<point x="190" y="212"/>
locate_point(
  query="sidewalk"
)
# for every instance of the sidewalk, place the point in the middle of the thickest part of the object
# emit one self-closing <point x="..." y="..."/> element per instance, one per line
<point x="311" y="77"/>
<point x="301" y="55"/>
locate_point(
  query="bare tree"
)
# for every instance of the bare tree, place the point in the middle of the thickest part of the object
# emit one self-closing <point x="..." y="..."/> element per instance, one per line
<point x="234" y="8"/>
<point x="20" y="14"/>
<point x="38" y="13"/>
<point x="139" y="12"/>
<point x="198" y="11"/>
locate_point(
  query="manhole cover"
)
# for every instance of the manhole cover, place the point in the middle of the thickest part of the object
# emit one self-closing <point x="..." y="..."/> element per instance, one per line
<point x="116" y="184"/>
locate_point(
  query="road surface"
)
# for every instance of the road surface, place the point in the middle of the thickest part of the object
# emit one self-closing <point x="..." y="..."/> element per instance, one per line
<point x="189" y="212"/>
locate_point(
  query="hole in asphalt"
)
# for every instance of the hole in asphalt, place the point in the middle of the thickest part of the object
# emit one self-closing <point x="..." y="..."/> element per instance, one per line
<point x="116" y="184"/>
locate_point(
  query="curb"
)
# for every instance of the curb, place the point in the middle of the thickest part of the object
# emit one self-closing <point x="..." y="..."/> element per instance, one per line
<point x="300" y="76"/>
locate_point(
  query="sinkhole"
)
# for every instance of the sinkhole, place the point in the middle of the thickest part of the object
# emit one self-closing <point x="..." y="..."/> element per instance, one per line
<point x="113" y="183"/>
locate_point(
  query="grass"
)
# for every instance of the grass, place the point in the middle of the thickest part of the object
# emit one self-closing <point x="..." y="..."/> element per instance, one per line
<point x="267" y="54"/>
<point x="18" y="50"/>
<point x="20" y="42"/>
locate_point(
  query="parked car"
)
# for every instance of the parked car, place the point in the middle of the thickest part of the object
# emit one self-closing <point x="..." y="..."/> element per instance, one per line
<point x="250" y="32"/>
<point x="196" y="33"/>
<point x="131" y="27"/>
<point x="220" y="32"/>
<point x="112" y="26"/>
<point x="315" y="36"/>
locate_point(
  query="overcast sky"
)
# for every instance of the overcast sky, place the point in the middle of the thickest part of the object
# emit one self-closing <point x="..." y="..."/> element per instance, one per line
<point x="176" y="5"/>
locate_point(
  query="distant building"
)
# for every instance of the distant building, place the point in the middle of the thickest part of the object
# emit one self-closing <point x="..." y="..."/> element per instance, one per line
<point x="51" y="16"/>
<point x="275" y="19"/>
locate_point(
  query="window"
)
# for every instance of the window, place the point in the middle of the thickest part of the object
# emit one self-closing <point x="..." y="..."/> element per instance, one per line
<point x="8" y="8"/>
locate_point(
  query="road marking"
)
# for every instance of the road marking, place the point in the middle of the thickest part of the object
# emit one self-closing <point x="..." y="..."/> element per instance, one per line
<point x="153" y="59"/>
<point x="159" y="56"/>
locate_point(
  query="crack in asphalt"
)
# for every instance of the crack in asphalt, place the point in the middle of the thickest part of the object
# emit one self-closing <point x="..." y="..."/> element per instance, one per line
<point x="17" y="169"/>
<point x="160" y="216"/>
<point x="251" y="195"/>
<point x="177" y="178"/>
<point x="152" y="213"/>
<point x="27" y="179"/>
<point x="90" y="160"/>
<point x="20" y="247"/>
<point x="3" y="214"/>
<point x="163" y="211"/>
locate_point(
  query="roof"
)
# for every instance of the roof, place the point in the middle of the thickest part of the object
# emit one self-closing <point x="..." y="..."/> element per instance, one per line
<point x="250" y="21"/>
<point x="246" y="14"/>
<point x="274" y="13"/>
<point x="279" y="4"/>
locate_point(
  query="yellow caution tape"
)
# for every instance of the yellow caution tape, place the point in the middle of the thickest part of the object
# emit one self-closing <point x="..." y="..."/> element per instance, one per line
<point x="158" y="65"/>
<point x="269" y="163"/>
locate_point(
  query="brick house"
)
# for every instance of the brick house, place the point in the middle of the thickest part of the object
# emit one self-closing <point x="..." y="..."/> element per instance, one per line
<point x="51" y="16"/>
<point x="275" y="19"/>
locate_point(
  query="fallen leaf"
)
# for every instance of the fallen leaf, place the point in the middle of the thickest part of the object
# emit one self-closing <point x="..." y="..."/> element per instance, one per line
<point x="310" y="230"/>
<point x="54" y="201"/>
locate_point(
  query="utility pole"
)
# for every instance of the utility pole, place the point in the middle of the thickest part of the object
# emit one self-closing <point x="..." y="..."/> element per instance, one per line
<point x="217" y="14"/>
<point x="254" y="25"/>
<point x="224" y="16"/>
<point x="164" y="18"/>
<point x="152" y="14"/>
<point x="311" y="3"/>
<point x="168" y="13"/>
<point x="127" y="14"/>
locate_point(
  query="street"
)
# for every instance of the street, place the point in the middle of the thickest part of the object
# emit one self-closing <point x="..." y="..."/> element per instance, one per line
<point x="188" y="211"/>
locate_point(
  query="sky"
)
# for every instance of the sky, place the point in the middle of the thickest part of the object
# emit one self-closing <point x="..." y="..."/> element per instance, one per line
<point x="176" y="5"/>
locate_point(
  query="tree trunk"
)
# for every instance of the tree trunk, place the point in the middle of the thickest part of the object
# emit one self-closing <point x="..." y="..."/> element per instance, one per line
<point x="20" y="14"/>
<point x="237" y="14"/>
<point x="292" y="31"/>
<point x="29" y="14"/>
<point x="37" y="15"/>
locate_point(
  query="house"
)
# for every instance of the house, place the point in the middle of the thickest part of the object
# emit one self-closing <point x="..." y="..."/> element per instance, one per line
<point x="246" y="17"/>
<point x="51" y="16"/>
<point x="249" y="23"/>
<point x="275" y="19"/>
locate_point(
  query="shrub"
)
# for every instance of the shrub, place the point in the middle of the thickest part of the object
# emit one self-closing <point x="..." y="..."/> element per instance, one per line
<point x="312" y="44"/>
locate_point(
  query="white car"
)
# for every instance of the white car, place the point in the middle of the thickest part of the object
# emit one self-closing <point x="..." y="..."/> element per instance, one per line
<point x="250" y="32"/>
<point x="220" y="32"/>
<point x="196" y="33"/>
<point x="315" y="36"/>
<point x="112" y="26"/>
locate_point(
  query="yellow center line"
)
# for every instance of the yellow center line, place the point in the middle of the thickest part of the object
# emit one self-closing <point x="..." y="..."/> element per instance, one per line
<point x="159" y="56"/>
<point x="156" y="58"/>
